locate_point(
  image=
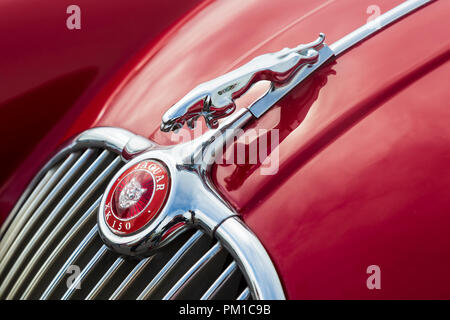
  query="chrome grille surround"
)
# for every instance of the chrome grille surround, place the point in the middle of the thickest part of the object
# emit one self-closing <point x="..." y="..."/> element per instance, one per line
<point x="53" y="226"/>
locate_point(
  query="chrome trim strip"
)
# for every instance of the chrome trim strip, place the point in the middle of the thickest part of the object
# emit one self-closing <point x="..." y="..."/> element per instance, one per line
<point x="131" y="277"/>
<point x="14" y="232"/>
<point x="61" y="184"/>
<point x="169" y="265"/>
<point x="52" y="216"/>
<point x="203" y="260"/>
<point x="224" y="275"/>
<point x="91" y="264"/>
<point x="275" y="94"/>
<point x="252" y="258"/>
<point x="214" y="99"/>
<point x="202" y="213"/>
<point x="38" y="193"/>
<point x="75" y="254"/>
<point x="117" y="140"/>
<point x="244" y="294"/>
<point x="69" y="214"/>
<point x="375" y="25"/>
<point x="105" y="279"/>
<point x="89" y="214"/>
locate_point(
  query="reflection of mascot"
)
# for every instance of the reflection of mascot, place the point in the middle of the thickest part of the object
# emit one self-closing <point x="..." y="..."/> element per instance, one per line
<point x="215" y="99"/>
<point x="131" y="194"/>
<point x="293" y="110"/>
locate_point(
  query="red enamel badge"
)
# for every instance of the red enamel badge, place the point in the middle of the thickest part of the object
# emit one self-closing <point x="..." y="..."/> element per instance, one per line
<point x="136" y="197"/>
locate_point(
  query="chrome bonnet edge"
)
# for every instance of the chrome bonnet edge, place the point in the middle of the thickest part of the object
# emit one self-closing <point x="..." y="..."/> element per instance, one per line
<point x="252" y="257"/>
<point x="114" y="139"/>
<point x="247" y="255"/>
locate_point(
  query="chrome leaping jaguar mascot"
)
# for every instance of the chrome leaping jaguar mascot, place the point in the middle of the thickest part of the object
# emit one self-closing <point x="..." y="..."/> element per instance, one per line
<point x="215" y="99"/>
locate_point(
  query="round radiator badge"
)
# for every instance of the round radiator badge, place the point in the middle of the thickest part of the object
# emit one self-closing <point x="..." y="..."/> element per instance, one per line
<point x="136" y="197"/>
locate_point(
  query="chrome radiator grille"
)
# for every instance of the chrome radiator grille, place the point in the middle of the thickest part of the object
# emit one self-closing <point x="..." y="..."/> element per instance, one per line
<point x="54" y="233"/>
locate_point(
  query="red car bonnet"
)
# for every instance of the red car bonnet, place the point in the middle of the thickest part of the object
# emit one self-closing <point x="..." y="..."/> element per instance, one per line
<point x="362" y="172"/>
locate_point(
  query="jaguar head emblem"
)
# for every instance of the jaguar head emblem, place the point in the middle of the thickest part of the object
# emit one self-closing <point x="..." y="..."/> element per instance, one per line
<point x="131" y="194"/>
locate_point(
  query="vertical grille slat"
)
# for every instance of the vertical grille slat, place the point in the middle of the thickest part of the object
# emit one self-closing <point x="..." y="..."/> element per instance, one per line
<point x="105" y="279"/>
<point x="245" y="295"/>
<point x="34" y="216"/>
<point x="199" y="264"/>
<point x="91" y="264"/>
<point x="49" y="220"/>
<point x="57" y="251"/>
<point x="75" y="254"/>
<point x="220" y="280"/>
<point x="27" y="209"/>
<point x="54" y="228"/>
<point x="130" y="278"/>
<point x="69" y="215"/>
<point x="169" y="265"/>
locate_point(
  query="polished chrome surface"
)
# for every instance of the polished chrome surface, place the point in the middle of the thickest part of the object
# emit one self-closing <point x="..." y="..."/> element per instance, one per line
<point x="105" y="279"/>
<point x="132" y="276"/>
<point x="113" y="139"/>
<point x="13" y="249"/>
<point x="62" y="223"/>
<point x="87" y="269"/>
<point x="57" y="279"/>
<point x="59" y="219"/>
<point x="33" y="201"/>
<point x="192" y="201"/>
<point x="51" y="260"/>
<point x="70" y="214"/>
<point x="185" y="278"/>
<point x="285" y="70"/>
<point x="214" y="99"/>
<point x="251" y="257"/>
<point x="276" y="93"/>
<point x="87" y="194"/>
<point x="220" y="280"/>
<point x="244" y="295"/>
<point x="169" y="266"/>
<point x="376" y="25"/>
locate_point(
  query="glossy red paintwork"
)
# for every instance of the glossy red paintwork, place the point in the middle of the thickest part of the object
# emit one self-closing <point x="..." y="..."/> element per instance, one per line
<point x="365" y="143"/>
<point x="49" y="74"/>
